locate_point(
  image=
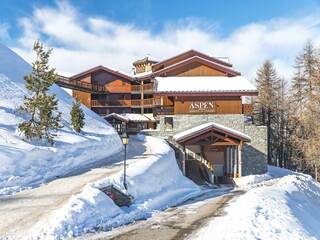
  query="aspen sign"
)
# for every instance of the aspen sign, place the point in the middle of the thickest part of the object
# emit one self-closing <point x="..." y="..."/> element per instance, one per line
<point x="202" y="107"/>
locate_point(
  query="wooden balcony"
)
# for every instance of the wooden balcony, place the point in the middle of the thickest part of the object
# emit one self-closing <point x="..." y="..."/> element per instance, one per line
<point x="146" y="88"/>
<point x="142" y="102"/>
<point x="80" y="86"/>
<point x="111" y="103"/>
<point x="118" y="89"/>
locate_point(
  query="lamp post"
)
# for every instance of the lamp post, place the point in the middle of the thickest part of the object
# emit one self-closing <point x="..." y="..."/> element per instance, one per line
<point x="125" y="142"/>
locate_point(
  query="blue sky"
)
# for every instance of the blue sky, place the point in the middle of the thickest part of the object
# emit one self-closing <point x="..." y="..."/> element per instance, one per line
<point x="225" y="15"/>
<point x="85" y="33"/>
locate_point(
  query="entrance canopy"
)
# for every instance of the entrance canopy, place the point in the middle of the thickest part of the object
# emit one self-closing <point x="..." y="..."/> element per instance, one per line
<point x="211" y="133"/>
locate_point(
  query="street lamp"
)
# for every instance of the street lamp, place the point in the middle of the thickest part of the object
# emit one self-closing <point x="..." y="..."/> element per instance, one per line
<point x="125" y="142"/>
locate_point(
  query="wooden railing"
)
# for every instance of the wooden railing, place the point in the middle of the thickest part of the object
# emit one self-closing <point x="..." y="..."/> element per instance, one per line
<point x="104" y="103"/>
<point x="78" y="85"/>
<point x="111" y="88"/>
<point x="138" y="88"/>
<point x="142" y="102"/>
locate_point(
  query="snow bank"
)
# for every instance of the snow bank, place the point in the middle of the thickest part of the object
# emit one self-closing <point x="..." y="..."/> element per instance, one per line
<point x="155" y="181"/>
<point x="287" y="208"/>
<point x="253" y="180"/>
<point x="25" y="164"/>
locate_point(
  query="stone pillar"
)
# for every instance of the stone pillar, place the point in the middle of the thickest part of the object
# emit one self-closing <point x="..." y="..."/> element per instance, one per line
<point x="240" y="146"/>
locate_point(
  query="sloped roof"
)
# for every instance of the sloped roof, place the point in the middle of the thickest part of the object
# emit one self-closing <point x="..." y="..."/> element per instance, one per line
<point x="191" y="53"/>
<point x="131" y="117"/>
<point x="116" y="116"/>
<point x="103" y="68"/>
<point x="207" y="127"/>
<point x="203" y="84"/>
<point x="220" y="67"/>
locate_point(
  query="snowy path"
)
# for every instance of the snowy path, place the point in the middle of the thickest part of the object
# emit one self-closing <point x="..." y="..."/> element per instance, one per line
<point x="175" y="223"/>
<point x="21" y="211"/>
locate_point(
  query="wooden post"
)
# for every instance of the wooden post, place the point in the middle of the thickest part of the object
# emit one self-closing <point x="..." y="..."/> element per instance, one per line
<point x="240" y="146"/>
<point x="142" y="97"/>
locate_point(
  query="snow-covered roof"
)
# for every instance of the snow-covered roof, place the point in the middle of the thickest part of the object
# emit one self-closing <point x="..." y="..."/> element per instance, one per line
<point x="117" y="116"/>
<point x="204" y="84"/>
<point x="143" y="74"/>
<point x="132" y="117"/>
<point x="135" y="117"/>
<point x="210" y="126"/>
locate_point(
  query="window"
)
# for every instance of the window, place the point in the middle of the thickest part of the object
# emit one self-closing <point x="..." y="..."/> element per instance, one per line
<point x="168" y="122"/>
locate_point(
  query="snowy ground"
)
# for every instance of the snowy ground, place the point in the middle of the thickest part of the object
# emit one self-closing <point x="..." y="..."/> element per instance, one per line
<point x="27" y="164"/>
<point x="285" y="207"/>
<point x="154" y="180"/>
<point x="276" y="205"/>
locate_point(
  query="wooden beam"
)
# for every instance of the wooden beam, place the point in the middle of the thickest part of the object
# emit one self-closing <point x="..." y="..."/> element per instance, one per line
<point x="232" y="141"/>
<point x="223" y="144"/>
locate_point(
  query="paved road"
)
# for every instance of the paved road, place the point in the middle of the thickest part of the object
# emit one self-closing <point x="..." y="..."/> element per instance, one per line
<point x="19" y="212"/>
<point x="175" y="223"/>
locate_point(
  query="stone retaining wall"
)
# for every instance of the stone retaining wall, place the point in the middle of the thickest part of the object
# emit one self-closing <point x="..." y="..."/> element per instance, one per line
<point x="254" y="153"/>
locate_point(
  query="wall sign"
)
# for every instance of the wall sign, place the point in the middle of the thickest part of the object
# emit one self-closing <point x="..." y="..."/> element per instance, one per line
<point x="202" y="107"/>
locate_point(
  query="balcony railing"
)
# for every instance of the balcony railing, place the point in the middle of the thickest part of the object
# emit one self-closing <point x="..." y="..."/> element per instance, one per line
<point x="142" y="102"/>
<point x="104" y="103"/>
<point x="110" y="88"/>
<point x="78" y="85"/>
<point x="138" y="88"/>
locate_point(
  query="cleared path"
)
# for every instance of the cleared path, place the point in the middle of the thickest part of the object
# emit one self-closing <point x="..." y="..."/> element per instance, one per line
<point x="19" y="212"/>
<point x="175" y="223"/>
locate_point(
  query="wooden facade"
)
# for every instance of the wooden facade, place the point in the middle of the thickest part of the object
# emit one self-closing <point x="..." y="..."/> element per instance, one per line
<point x="105" y="90"/>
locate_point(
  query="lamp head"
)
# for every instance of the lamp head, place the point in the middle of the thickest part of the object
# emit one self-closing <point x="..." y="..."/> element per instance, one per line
<point x="125" y="139"/>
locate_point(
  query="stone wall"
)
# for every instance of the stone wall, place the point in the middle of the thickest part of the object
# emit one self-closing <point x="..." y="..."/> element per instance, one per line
<point x="254" y="153"/>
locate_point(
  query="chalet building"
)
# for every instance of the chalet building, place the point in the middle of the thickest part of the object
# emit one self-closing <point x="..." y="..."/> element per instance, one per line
<point x="200" y="104"/>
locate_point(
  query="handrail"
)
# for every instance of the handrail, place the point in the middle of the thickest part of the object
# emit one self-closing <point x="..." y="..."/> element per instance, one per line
<point x="138" y="88"/>
<point x="67" y="82"/>
<point x="142" y="102"/>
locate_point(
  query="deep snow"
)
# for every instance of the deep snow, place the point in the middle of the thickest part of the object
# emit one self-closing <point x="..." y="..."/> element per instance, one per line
<point x="284" y="207"/>
<point x="155" y="181"/>
<point x="27" y="164"/>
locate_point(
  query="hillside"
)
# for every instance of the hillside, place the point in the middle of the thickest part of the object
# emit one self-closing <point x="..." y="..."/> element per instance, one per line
<point x="26" y="164"/>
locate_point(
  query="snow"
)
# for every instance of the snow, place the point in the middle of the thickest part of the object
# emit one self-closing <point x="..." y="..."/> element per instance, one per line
<point x="136" y="117"/>
<point x="285" y="207"/>
<point x="143" y="74"/>
<point x="132" y="117"/>
<point x="27" y="164"/>
<point x="155" y="181"/>
<point x="203" y="84"/>
<point x="208" y="126"/>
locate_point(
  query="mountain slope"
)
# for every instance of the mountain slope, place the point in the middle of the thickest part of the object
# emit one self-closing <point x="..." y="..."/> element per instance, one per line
<point x="24" y="163"/>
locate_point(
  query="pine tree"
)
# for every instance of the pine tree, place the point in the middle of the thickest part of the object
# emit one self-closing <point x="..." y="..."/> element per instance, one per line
<point x="77" y="116"/>
<point x="40" y="105"/>
<point x="268" y="84"/>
